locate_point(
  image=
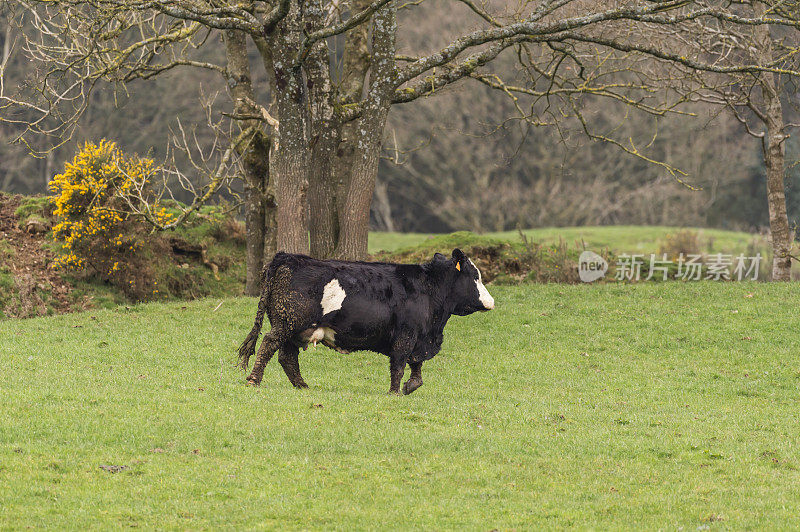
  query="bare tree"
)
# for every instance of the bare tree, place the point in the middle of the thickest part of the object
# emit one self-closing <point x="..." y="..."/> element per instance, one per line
<point x="83" y="45"/>
<point x="335" y="70"/>
<point x="756" y="100"/>
<point x="757" y="97"/>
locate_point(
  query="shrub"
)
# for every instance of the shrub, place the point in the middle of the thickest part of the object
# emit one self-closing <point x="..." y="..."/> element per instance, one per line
<point x="103" y="242"/>
<point x="684" y="242"/>
<point x="92" y="199"/>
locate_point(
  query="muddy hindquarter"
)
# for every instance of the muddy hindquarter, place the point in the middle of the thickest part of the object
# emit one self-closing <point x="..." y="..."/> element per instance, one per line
<point x="291" y="309"/>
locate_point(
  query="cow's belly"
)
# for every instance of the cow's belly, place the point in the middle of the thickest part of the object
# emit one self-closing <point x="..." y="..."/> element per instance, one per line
<point x="361" y="329"/>
<point x="344" y="343"/>
<point x="323" y="335"/>
<point x="348" y="342"/>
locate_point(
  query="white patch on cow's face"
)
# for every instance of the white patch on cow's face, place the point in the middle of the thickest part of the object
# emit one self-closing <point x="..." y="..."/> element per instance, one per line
<point x="332" y="297"/>
<point x="483" y="294"/>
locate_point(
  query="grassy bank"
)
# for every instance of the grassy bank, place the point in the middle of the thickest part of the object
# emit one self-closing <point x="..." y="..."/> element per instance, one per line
<point x="206" y="258"/>
<point x="617" y="238"/>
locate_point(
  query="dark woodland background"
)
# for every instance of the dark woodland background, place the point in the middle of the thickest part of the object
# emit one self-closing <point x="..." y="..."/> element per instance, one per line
<point x="453" y="162"/>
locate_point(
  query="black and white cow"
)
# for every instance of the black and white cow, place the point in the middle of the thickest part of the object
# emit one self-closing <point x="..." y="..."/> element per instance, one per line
<point x="399" y="310"/>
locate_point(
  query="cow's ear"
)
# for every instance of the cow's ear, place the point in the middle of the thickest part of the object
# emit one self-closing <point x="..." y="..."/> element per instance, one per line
<point x="439" y="256"/>
<point x="460" y="258"/>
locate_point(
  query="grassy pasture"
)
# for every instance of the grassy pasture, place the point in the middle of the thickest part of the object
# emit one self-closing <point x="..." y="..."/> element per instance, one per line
<point x="617" y="238"/>
<point x="655" y="406"/>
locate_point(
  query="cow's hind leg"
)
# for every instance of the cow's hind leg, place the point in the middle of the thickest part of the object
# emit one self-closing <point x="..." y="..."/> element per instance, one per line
<point x="415" y="380"/>
<point x="288" y="357"/>
<point x="269" y="345"/>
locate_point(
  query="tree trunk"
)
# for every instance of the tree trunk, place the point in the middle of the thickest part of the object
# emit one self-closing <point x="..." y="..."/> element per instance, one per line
<point x="774" y="155"/>
<point x="355" y="64"/>
<point x="258" y="209"/>
<point x="776" y="198"/>
<point x="255" y="158"/>
<point x="289" y="161"/>
<point x="382" y="208"/>
<point x="355" y="216"/>
<point x="270" y="223"/>
<point x="254" y="223"/>
<point x="291" y="190"/>
<point x="322" y="203"/>
<point x="355" y="223"/>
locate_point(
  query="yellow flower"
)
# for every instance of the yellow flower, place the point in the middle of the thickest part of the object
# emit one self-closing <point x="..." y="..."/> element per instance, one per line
<point x="84" y="197"/>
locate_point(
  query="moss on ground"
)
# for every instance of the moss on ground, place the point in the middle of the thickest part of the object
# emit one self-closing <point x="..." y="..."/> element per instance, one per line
<point x="34" y="205"/>
<point x="7" y="251"/>
<point x="33" y="218"/>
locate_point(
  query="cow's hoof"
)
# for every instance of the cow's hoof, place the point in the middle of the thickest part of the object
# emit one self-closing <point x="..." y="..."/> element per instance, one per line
<point x="252" y="382"/>
<point x="395" y="393"/>
<point x="301" y="385"/>
<point x="411" y="385"/>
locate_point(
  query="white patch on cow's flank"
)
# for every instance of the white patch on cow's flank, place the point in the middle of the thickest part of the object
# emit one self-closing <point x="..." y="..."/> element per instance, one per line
<point x="483" y="294"/>
<point x="332" y="297"/>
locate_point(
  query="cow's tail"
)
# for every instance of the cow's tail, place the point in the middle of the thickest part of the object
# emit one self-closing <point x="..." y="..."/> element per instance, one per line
<point x="248" y="347"/>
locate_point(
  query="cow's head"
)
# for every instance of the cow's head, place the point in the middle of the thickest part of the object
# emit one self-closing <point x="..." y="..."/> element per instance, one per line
<point x="467" y="292"/>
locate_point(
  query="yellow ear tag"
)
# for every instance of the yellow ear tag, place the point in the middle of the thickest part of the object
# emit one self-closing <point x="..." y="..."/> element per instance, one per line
<point x="458" y="266"/>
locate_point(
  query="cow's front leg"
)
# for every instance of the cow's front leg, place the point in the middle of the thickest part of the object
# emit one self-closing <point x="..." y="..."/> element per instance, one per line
<point x="397" y="365"/>
<point x="402" y="347"/>
<point x="415" y="380"/>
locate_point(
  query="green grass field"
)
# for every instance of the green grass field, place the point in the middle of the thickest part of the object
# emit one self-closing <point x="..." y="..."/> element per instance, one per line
<point x="617" y="238"/>
<point x="658" y="406"/>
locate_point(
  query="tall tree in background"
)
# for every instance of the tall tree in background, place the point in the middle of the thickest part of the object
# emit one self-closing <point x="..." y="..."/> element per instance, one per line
<point x="334" y="70"/>
<point x="758" y="97"/>
<point x="757" y="101"/>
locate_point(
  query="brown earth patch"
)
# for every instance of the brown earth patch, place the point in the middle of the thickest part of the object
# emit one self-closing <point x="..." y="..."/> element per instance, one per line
<point x="37" y="287"/>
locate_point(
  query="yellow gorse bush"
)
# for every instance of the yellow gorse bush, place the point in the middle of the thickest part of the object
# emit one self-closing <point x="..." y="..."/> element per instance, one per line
<point x="92" y="198"/>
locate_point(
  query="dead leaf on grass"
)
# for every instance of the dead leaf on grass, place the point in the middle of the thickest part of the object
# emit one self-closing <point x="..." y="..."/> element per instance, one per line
<point x="113" y="468"/>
